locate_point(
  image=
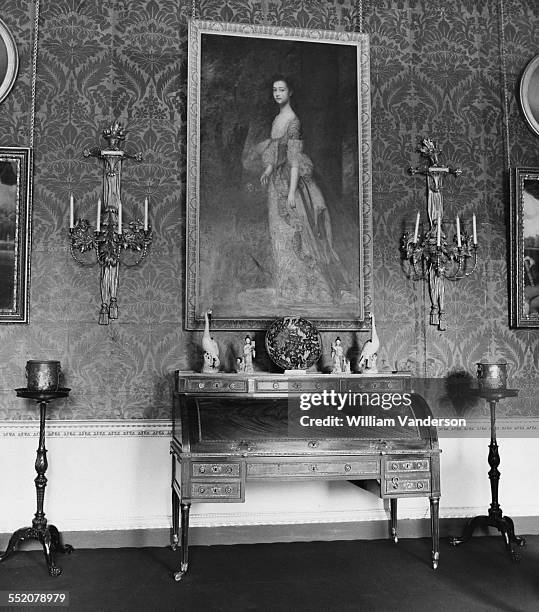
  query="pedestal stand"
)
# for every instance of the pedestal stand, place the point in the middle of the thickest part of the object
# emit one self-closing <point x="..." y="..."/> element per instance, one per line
<point x="495" y="516"/>
<point x="48" y="535"/>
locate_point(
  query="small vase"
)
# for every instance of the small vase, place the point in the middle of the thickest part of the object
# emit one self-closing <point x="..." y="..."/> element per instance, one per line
<point x="492" y="375"/>
<point x="42" y="375"/>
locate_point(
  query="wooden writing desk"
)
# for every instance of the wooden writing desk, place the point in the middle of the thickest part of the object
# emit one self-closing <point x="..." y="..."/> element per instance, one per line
<point x="230" y="429"/>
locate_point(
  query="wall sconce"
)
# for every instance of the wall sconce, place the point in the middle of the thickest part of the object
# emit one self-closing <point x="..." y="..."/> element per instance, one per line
<point x="429" y="254"/>
<point x="111" y="237"/>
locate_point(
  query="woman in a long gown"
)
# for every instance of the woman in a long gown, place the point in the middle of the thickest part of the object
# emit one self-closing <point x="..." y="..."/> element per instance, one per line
<point x="307" y="267"/>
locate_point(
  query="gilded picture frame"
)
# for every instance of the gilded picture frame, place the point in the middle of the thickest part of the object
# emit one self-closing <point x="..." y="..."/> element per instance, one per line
<point x="529" y="94"/>
<point x="9" y="61"/>
<point x="524" y="248"/>
<point x="253" y="252"/>
<point x="15" y="233"/>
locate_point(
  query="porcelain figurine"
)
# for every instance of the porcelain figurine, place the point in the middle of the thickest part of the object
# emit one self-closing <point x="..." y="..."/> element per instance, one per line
<point x="248" y="355"/>
<point x="337" y="355"/>
<point x="210" y="348"/>
<point x="369" y="353"/>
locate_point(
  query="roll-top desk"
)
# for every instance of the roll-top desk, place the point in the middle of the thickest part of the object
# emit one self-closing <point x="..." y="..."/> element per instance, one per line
<point x="229" y="429"/>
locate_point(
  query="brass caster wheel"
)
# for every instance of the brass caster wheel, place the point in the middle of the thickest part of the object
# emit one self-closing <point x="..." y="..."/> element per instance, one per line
<point x="178" y="576"/>
<point x="181" y="573"/>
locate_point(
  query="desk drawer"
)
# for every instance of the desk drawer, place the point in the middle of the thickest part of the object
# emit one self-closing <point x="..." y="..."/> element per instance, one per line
<point x="407" y="484"/>
<point x="278" y="385"/>
<point x="377" y="384"/>
<point x="215" y="470"/>
<point x="407" y="465"/>
<point x="216" y="490"/>
<point x="214" y="385"/>
<point x="313" y="469"/>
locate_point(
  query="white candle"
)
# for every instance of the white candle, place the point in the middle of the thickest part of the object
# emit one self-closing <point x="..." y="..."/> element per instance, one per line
<point x="439" y="231"/>
<point x="98" y="223"/>
<point x="474" y="229"/>
<point x="146" y="214"/>
<point x="71" y="212"/>
<point x="416" y="228"/>
<point x="459" y="244"/>
<point x="119" y="218"/>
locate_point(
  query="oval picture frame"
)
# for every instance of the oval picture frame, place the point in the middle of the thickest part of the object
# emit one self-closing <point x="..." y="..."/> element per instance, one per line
<point x="9" y="61"/>
<point x="529" y="94"/>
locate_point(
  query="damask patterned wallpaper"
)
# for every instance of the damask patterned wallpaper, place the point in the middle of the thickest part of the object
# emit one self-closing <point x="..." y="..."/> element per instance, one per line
<point x="436" y="70"/>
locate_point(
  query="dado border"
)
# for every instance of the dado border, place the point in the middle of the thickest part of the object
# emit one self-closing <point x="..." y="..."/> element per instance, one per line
<point x="512" y="427"/>
<point x="89" y="428"/>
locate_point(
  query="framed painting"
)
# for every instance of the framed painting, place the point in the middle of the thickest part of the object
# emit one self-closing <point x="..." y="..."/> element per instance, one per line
<point x="15" y="205"/>
<point x="529" y="94"/>
<point x="9" y="61"/>
<point x="279" y="212"/>
<point x="524" y="248"/>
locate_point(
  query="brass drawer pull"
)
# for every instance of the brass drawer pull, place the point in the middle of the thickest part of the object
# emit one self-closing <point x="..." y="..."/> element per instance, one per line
<point x="395" y="482"/>
<point x="313" y="444"/>
<point x="347" y="467"/>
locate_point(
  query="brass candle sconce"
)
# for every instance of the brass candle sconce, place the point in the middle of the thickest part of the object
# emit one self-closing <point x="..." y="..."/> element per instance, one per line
<point x="429" y="254"/>
<point x="111" y="238"/>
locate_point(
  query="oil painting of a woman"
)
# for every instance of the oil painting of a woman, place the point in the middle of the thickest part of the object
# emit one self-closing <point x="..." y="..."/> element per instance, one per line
<point x="307" y="267"/>
<point x="275" y="221"/>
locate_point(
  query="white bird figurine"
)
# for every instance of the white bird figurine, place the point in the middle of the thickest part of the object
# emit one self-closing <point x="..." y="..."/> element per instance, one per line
<point x="210" y="348"/>
<point x="367" y="359"/>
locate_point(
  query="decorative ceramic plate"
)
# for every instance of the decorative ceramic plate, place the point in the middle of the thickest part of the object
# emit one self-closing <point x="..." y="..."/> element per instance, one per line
<point x="293" y="343"/>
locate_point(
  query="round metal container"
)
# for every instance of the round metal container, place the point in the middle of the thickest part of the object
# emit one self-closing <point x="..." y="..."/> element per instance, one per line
<point x="42" y="375"/>
<point x="492" y="375"/>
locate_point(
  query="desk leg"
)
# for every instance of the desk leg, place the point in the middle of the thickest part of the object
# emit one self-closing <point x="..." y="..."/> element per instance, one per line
<point x="175" y="519"/>
<point x="393" y="510"/>
<point x="185" y="507"/>
<point x="435" y="530"/>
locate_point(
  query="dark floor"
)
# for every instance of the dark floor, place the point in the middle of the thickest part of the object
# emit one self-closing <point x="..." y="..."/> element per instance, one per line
<point x="373" y="575"/>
